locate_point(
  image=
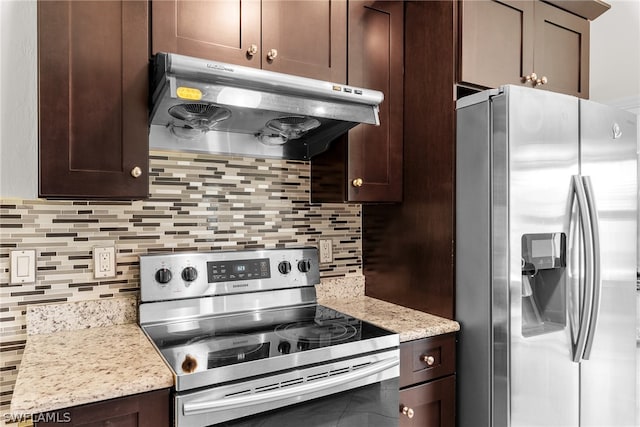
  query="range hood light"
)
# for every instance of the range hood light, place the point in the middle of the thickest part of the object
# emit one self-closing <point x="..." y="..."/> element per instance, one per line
<point x="185" y="132"/>
<point x="271" y="140"/>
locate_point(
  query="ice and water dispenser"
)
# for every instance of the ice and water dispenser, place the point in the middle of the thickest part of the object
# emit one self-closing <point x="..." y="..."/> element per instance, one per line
<point x="543" y="283"/>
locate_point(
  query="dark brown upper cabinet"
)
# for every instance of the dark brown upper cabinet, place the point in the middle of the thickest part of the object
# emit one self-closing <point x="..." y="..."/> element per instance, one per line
<point x="366" y="165"/>
<point x="305" y="38"/>
<point x="93" y="86"/>
<point x="525" y="43"/>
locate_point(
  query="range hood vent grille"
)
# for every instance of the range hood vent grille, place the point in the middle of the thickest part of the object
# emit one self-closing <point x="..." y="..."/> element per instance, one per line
<point x="207" y="106"/>
<point x="200" y="116"/>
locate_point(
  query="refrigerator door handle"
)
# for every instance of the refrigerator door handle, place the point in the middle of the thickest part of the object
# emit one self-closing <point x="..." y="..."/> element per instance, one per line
<point x="597" y="282"/>
<point x="585" y="310"/>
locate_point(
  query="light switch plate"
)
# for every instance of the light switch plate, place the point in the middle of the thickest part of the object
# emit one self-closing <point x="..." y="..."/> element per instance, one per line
<point x="104" y="262"/>
<point x="23" y="266"/>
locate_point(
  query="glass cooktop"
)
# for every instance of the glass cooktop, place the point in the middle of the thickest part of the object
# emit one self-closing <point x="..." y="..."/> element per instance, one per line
<point x="258" y="337"/>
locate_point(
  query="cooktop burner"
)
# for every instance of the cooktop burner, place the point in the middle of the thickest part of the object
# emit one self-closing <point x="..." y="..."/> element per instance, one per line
<point x="212" y="342"/>
<point x="313" y="334"/>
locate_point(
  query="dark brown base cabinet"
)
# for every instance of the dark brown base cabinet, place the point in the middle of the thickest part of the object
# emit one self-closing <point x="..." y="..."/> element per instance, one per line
<point x="150" y="409"/>
<point x="427" y="382"/>
<point x="93" y="61"/>
<point x="432" y="403"/>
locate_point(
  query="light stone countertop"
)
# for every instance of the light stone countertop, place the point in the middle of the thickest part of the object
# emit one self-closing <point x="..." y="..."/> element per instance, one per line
<point x="62" y="368"/>
<point x="70" y="368"/>
<point x="408" y="323"/>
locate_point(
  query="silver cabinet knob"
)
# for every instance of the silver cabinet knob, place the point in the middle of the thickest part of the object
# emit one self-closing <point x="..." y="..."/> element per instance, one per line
<point x="406" y="411"/>
<point x="357" y="182"/>
<point x="530" y="78"/>
<point x="253" y="49"/>
<point x="136" y="172"/>
<point x="271" y="55"/>
<point x="541" y="81"/>
<point x="428" y="359"/>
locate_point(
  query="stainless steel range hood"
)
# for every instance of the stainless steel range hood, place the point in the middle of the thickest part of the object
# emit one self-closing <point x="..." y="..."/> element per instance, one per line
<point x="207" y="106"/>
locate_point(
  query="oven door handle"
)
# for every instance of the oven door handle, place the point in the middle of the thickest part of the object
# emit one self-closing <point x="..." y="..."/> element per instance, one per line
<point x="280" y="394"/>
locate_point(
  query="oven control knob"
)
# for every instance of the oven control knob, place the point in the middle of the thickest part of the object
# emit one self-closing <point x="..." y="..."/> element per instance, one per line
<point x="303" y="344"/>
<point x="163" y="275"/>
<point x="304" y="265"/>
<point x="284" y="347"/>
<point x="189" y="274"/>
<point x="284" y="267"/>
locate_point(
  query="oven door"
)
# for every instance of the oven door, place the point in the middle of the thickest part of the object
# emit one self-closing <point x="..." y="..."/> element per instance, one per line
<point x="354" y="392"/>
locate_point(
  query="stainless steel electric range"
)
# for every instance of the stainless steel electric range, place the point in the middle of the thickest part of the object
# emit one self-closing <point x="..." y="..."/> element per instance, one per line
<point x="249" y="345"/>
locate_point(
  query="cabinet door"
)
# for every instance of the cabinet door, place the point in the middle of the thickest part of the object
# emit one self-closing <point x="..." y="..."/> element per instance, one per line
<point x="372" y="154"/>
<point x="496" y="42"/>
<point x="432" y="404"/>
<point x="376" y="61"/>
<point x="308" y="38"/>
<point x="221" y="30"/>
<point x="149" y="409"/>
<point x="562" y="50"/>
<point x="93" y="85"/>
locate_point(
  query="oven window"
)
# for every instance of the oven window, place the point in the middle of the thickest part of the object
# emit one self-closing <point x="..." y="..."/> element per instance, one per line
<point x="375" y="405"/>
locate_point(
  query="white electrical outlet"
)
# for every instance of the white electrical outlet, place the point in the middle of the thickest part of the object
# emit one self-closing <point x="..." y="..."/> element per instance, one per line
<point x="325" y="246"/>
<point x="104" y="262"/>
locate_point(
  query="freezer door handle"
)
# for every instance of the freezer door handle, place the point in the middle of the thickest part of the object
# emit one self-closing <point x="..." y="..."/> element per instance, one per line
<point x="585" y="226"/>
<point x="597" y="282"/>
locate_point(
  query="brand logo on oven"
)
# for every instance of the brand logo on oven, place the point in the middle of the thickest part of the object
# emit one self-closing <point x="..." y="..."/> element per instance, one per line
<point x="240" y="285"/>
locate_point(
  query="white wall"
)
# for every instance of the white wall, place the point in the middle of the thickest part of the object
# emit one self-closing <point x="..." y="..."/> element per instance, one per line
<point x="615" y="56"/>
<point x="18" y="99"/>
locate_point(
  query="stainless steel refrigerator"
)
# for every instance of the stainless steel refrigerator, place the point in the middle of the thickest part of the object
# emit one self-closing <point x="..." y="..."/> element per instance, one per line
<point x="546" y="220"/>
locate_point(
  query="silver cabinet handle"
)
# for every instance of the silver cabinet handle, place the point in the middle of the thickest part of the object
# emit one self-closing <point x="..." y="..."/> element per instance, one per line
<point x="597" y="280"/>
<point x="279" y="394"/>
<point x="585" y="311"/>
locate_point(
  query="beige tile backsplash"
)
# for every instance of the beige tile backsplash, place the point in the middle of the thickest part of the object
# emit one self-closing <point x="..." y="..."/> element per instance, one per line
<point x="197" y="202"/>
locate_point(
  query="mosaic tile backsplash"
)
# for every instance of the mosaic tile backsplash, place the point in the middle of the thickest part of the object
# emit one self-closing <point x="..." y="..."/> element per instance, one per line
<point x="197" y="202"/>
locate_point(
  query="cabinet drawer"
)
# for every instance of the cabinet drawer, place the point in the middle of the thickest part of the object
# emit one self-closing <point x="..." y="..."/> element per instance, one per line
<point x="426" y="359"/>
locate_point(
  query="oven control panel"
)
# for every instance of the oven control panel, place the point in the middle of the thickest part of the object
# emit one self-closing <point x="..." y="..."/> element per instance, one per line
<point x="193" y="274"/>
<point x="227" y="271"/>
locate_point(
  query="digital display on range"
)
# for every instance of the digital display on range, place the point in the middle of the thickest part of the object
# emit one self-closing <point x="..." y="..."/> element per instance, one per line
<point x="229" y="271"/>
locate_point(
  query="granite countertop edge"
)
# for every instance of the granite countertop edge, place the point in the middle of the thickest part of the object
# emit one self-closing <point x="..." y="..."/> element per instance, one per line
<point x="410" y="324"/>
<point x="70" y="368"/>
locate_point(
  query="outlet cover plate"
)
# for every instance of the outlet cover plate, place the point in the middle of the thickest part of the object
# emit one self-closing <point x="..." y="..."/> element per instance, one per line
<point x="104" y="262"/>
<point x="325" y="247"/>
<point x="23" y="266"/>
